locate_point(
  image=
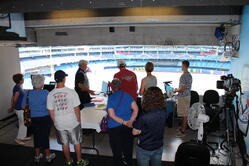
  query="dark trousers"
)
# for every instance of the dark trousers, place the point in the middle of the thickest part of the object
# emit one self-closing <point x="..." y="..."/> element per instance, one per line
<point x="41" y="130"/>
<point x="140" y="109"/>
<point x="84" y="97"/>
<point x="29" y="131"/>
<point x="121" y="141"/>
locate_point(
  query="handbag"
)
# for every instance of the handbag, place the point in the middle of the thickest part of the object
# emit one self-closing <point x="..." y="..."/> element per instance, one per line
<point x="104" y="121"/>
<point x="104" y="124"/>
<point x="26" y="113"/>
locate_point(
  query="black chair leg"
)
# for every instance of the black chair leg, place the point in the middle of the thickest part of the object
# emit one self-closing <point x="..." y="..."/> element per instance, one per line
<point x="210" y="147"/>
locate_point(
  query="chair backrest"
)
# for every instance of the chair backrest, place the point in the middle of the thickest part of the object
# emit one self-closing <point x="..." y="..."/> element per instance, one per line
<point x="194" y="97"/>
<point x="192" y="154"/>
<point x="211" y="97"/>
<point x="211" y="100"/>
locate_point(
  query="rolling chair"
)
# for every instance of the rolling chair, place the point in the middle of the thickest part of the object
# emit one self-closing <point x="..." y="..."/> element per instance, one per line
<point x="192" y="154"/>
<point x="194" y="97"/>
<point x="211" y="100"/>
<point x="211" y="97"/>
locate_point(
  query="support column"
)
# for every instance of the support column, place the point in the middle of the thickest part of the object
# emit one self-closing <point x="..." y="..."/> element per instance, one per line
<point x="9" y="65"/>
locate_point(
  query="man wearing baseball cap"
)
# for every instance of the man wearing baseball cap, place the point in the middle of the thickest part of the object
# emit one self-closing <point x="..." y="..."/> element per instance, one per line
<point x="63" y="105"/>
<point x="128" y="79"/>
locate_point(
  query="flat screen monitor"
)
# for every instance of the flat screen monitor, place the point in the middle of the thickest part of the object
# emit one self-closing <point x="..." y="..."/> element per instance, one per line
<point x="104" y="87"/>
<point x="49" y="87"/>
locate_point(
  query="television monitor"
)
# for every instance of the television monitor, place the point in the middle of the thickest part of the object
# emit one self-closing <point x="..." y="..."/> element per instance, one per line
<point x="49" y="87"/>
<point x="104" y="87"/>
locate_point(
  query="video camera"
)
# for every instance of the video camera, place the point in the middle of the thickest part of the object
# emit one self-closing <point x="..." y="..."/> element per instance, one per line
<point x="229" y="83"/>
<point x="231" y="86"/>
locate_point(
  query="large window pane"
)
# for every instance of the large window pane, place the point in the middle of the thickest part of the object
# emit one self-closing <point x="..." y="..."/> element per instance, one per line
<point x="205" y="64"/>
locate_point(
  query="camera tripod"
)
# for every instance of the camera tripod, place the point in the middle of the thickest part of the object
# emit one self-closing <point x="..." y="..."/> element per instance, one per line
<point x="233" y="136"/>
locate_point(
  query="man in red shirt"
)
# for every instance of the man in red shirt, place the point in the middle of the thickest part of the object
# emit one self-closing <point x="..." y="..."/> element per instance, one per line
<point x="128" y="79"/>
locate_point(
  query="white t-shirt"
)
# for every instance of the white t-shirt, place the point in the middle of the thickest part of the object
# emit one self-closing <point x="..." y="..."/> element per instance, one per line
<point x="62" y="101"/>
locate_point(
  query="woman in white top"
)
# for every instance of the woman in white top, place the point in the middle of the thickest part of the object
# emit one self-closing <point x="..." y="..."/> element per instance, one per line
<point x="148" y="81"/>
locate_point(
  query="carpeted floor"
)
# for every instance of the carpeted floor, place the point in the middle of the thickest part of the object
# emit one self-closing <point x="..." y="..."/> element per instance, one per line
<point x="14" y="155"/>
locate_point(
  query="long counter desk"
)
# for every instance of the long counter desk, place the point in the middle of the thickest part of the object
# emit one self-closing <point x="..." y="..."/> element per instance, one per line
<point x="92" y="116"/>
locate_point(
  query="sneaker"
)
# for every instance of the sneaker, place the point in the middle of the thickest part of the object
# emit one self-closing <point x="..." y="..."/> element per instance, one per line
<point x="180" y="134"/>
<point x="124" y="161"/>
<point x="20" y="142"/>
<point x="26" y="139"/>
<point x="82" y="162"/>
<point x="38" y="158"/>
<point x="50" y="158"/>
<point x="69" y="163"/>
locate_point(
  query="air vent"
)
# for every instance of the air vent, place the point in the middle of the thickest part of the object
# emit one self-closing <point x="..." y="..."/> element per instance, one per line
<point x="132" y="29"/>
<point x="111" y="29"/>
<point x="61" y="34"/>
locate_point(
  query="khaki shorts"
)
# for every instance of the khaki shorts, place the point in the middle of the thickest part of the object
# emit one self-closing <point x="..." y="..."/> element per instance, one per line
<point x="73" y="136"/>
<point x="183" y="106"/>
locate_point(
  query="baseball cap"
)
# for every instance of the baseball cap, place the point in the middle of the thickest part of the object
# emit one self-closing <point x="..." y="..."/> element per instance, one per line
<point x="121" y="63"/>
<point x="59" y="75"/>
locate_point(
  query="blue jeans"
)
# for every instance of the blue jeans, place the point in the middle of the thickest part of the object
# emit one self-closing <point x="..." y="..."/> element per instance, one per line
<point x="145" y="157"/>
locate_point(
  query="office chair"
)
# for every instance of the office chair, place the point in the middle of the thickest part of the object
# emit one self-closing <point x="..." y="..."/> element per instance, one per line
<point x="211" y="97"/>
<point x="194" y="97"/>
<point x="192" y="154"/>
<point x="210" y="100"/>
